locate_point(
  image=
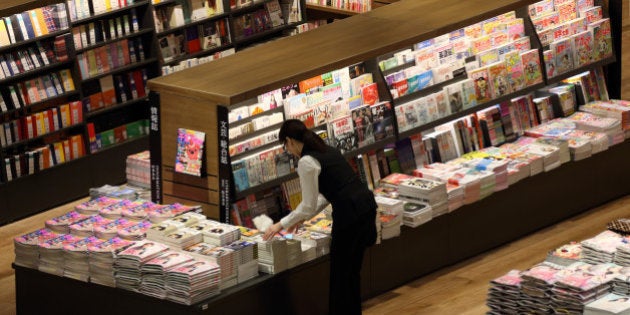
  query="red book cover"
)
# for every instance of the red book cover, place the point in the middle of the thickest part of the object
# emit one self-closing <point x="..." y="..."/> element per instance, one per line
<point x="66" y="150"/>
<point x="103" y="54"/>
<point x="137" y="78"/>
<point x="96" y="101"/>
<point x="369" y="93"/>
<point x="125" y="51"/>
<point x="401" y="87"/>
<point x="76" y="110"/>
<point x="308" y="84"/>
<point x="22" y="89"/>
<point x="30" y="127"/>
<point x="120" y="134"/>
<point x="48" y="115"/>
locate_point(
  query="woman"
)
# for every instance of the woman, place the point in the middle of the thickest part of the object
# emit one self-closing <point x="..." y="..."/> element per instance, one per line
<point x="325" y="176"/>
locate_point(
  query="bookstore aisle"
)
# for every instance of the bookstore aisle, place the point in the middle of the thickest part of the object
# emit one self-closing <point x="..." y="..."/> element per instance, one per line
<point x="458" y="289"/>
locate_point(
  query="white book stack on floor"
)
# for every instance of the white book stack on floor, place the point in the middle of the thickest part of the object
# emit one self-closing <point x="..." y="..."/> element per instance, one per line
<point x="608" y="305"/>
<point x="192" y="282"/>
<point x="51" y="258"/>
<point x="76" y="259"/>
<point x="154" y="272"/>
<point x="26" y="247"/>
<point x="101" y="259"/>
<point x="128" y="263"/>
<point x="504" y="293"/>
<point x="246" y="257"/>
<point x="272" y="255"/>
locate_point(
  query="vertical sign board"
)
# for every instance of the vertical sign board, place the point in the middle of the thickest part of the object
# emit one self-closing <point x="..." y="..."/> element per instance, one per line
<point x="226" y="187"/>
<point x="155" y="146"/>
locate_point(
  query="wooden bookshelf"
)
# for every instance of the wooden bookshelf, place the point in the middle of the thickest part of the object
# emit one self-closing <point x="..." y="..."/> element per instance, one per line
<point x="322" y="12"/>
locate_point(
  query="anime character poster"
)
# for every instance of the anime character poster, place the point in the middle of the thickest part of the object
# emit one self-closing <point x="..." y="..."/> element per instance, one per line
<point x="189" y="151"/>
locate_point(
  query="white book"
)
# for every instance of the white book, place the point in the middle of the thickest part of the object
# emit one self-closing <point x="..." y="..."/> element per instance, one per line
<point x="22" y="26"/>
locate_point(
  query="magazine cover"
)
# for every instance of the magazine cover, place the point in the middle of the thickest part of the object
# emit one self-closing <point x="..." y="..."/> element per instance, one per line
<point x="531" y="64"/>
<point x="343" y="133"/>
<point x="563" y="54"/>
<point x="363" y="124"/>
<point x="190" y="147"/>
<point x="602" y="39"/>
<point x="583" y="45"/>
<point x="498" y="76"/>
<point x="483" y="87"/>
<point x="383" y="120"/>
<point x="515" y="73"/>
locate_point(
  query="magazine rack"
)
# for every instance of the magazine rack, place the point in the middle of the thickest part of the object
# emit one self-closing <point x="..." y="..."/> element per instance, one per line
<point x="200" y="97"/>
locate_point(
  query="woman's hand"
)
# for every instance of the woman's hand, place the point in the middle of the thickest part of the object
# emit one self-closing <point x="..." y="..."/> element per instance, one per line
<point x="272" y="230"/>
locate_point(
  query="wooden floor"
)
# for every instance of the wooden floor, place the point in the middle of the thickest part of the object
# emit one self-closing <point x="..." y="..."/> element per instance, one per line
<point x="459" y="289"/>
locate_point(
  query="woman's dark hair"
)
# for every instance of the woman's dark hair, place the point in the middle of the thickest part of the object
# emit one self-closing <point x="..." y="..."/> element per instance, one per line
<point x="295" y="129"/>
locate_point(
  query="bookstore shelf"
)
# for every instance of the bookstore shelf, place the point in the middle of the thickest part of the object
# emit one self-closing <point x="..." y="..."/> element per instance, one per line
<point x="108" y="13"/>
<point x="33" y="40"/>
<point x="197" y="54"/>
<point x="36" y="71"/>
<point x="594" y="65"/>
<point x="248" y="39"/>
<point x="192" y="23"/>
<point x="128" y="67"/>
<point x="64" y="95"/>
<point x="164" y="2"/>
<point x="250" y="8"/>
<point x="429" y="89"/>
<point x="266" y="185"/>
<point x="50" y="134"/>
<point x="468" y="111"/>
<point x="139" y="139"/>
<point x="365" y="149"/>
<point x="115" y="107"/>
<point x="109" y="41"/>
<point x="396" y="68"/>
<point x="10" y="7"/>
<point x="279" y="109"/>
<point x="257" y="149"/>
<point x="256" y="133"/>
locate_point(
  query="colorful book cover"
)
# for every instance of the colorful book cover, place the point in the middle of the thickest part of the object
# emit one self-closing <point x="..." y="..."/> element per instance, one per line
<point x="499" y="78"/>
<point x="563" y="55"/>
<point x="483" y="85"/>
<point x="602" y="39"/>
<point x="531" y="64"/>
<point x="369" y="93"/>
<point x="583" y="45"/>
<point x="469" y="96"/>
<point x="241" y="181"/>
<point x="190" y="148"/>
<point x="592" y="14"/>
<point x="514" y="68"/>
<point x="363" y="125"/>
<point x="383" y="120"/>
<point x="344" y="136"/>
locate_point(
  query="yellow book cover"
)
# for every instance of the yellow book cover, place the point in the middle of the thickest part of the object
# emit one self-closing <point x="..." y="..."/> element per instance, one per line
<point x="4" y="35"/>
<point x="66" y="78"/>
<point x="41" y="21"/>
<point x="59" y="152"/>
<point x="65" y="115"/>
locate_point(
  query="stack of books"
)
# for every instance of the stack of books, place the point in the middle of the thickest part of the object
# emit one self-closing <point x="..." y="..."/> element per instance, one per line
<point x="76" y="259"/>
<point x="26" y="247"/>
<point x="610" y="304"/>
<point x="109" y="228"/>
<point x="416" y="213"/>
<point x="272" y="255"/>
<point x="599" y="141"/>
<point x="51" y="253"/>
<point x="119" y="192"/>
<point x="128" y="263"/>
<point x="622" y="255"/>
<point x="470" y="181"/>
<point x="101" y="259"/>
<point x="93" y="206"/>
<point x="611" y="109"/>
<point x="498" y="167"/>
<point x="221" y="234"/>
<point x="294" y="253"/>
<point x="246" y="256"/>
<point x="591" y="122"/>
<point x="193" y="282"/>
<point x="140" y="212"/>
<point x="536" y="288"/>
<point x="138" y="169"/>
<point x="601" y="248"/>
<point x="170" y="211"/>
<point x="549" y="154"/>
<point x="135" y="232"/>
<point x="226" y="259"/>
<point x="621" y="282"/>
<point x="388" y="225"/>
<point x="60" y="224"/>
<point x="320" y="241"/>
<point x="85" y="228"/>
<point x="565" y="255"/>
<point x="504" y="293"/>
<point x="432" y="192"/>
<point x="114" y="211"/>
<point x="154" y="272"/>
<point x="576" y="289"/>
<point x="562" y="144"/>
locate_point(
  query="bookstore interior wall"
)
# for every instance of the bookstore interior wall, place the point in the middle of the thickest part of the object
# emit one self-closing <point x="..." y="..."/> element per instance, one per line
<point x="439" y="91"/>
<point x="73" y="77"/>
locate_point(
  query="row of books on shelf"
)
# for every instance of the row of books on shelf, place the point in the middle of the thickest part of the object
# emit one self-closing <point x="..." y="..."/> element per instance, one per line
<point x="86" y="35"/>
<point x="258" y="21"/>
<point x="41" y="123"/>
<point x="82" y="9"/>
<point x="36" y="90"/>
<point x="35" y="56"/>
<point x="116" y="89"/>
<point x="209" y="35"/>
<point x="352" y="5"/>
<point x="193" y="62"/>
<point x="120" y="134"/>
<point x="32" y="24"/>
<point x="180" y="14"/>
<point x="40" y="158"/>
<point x="107" y="58"/>
<point x="585" y="277"/>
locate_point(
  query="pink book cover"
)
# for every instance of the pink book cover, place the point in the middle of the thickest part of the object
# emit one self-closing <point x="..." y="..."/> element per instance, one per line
<point x="531" y="64"/>
<point x="190" y="148"/>
<point x="144" y="249"/>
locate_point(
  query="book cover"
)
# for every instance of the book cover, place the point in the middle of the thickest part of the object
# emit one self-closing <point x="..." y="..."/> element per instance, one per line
<point x="483" y="85"/>
<point x="515" y="72"/>
<point x="563" y="55"/>
<point x="382" y="116"/>
<point x="531" y="65"/>
<point x="499" y="77"/>
<point x="602" y="39"/>
<point x="583" y="48"/>
<point x="343" y="134"/>
<point x="190" y="148"/>
<point x="369" y="93"/>
<point x="362" y="123"/>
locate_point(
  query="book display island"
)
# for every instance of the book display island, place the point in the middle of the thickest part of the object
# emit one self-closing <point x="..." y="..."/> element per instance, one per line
<point x="204" y="98"/>
<point x="73" y="91"/>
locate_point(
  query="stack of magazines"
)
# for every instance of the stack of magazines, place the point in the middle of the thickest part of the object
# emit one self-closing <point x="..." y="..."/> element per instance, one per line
<point x="590" y="122"/>
<point x="601" y="248"/>
<point x="135" y="232"/>
<point x="76" y="259"/>
<point x="504" y="294"/>
<point x="574" y="290"/>
<point x="272" y="254"/>
<point x="246" y="256"/>
<point x="565" y="255"/>
<point x="26" y="247"/>
<point x="612" y="109"/>
<point x="294" y="253"/>
<point x="621" y="282"/>
<point x="138" y="169"/>
<point x="549" y="154"/>
<point x="580" y="148"/>
<point x="109" y="229"/>
<point x="498" y="167"/>
<point x="221" y="234"/>
<point x="140" y="212"/>
<point x="60" y="224"/>
<point x="416" y="213"/>
<point x="469" y="180"/>
<point x="101" y="260"/>
<point x="128" y="263"/>
<point x="193" y="282"/>
<point x="309" y="239"/>
<point x="564" y="153"/>
<point x="609" y="305"/>
<point x="169" y="211"/>
<point x="51" y="253"/>
<point x="93" y="206"/>
<point x="599" y="141"/>
<point x="114" y="211"/>
<point x="125" y="191"/>
<point x="536" y="288"/>
<point x="154" y="272"/>
<point x="389" y="224"/>
<point x="430" y="191"/>
<point x="85" y="228"/>
<point x="622" y="255"/>
<point x="391" y="210"/>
